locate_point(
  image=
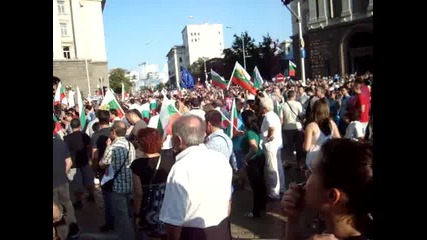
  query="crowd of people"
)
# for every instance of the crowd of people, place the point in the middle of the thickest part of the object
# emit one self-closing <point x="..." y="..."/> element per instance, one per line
<point x="178" y="182"/>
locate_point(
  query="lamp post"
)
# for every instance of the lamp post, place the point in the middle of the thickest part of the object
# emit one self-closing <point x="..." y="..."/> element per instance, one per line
<point x="243" y="48"/>
<point x="301" y="40"/>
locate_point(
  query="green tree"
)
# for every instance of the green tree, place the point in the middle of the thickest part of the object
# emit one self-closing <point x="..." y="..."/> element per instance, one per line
<point x="117" y="77"/>
<point x="197" y="69"/>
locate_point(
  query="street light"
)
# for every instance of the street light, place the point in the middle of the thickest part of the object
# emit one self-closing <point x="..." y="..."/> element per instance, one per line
<point x="301" y="40"/>
<point x="243" y="48"/>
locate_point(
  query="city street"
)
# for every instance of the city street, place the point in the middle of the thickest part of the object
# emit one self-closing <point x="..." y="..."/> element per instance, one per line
<point x="269" y="226"/>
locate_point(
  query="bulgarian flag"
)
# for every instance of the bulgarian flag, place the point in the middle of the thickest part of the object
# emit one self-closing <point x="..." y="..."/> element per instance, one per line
<point x="153" y="104"/>
<point x="240" y="77"/>
<point x="168" y="115"/>
<point x="59" y="94"/>
<point x="58" y="125"/>
<point x="110" y="102"/>
<point x="292" y="68"/>
<point x="234" y="119"/>
<point x="218" y="81"/>
<point x="145" y="110"/>
<point x="82" y="114"/>
<point x="257" y="79"/>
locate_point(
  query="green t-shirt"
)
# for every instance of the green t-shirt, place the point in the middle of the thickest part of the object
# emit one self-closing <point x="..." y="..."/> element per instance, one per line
<point x="250" y="135"/>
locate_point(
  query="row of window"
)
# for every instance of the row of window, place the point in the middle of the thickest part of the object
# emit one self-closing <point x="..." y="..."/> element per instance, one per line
<point x="64" y="29"/>
<point x="61" y="6"/>
<point x="198" y="34"/>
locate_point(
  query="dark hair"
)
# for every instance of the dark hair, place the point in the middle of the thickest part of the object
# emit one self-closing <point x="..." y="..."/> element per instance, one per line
<point x="75" y="123"/>
<point x="347" y="165"/>
<point x="150" y="140"/>
<point x="135" y="112"/>
<point x="320" y="115"/>
<point x="56" y="80"/>
<point x="120" y="128"/>
<point x="114" y="112"/>
<point x="291" y="94"/>
<point x="195" y="102"/>
<point x="353" y="115"/>
<point x="250" y="120"/>
<point x="95" y="127"/>
<point x="214" y="117"/>
<point x="104" y="117"/>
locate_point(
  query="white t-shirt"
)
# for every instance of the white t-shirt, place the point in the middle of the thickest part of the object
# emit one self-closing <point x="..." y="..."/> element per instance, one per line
<point x="355" y="130"/>
<point x="272" y="120"/>
<point x="290" y="119"/>
<point x="195" y="195"/>
<point x="198" y="112"/>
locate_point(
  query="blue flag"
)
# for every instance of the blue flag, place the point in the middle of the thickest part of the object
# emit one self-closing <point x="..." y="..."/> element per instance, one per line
<point x="187" y="80"/>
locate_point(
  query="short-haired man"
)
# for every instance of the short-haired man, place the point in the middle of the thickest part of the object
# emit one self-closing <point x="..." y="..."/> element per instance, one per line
<point x="194" y="187"/>
<point x="134" y="117"/>
<point x="118" y="152"/>
<point x="271" y="138"/>
<point x="217" y="140"/>
<point x="81" y="174"/>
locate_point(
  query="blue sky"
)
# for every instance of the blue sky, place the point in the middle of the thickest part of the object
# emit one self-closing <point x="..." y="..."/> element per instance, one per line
<point x="145" y="30"/>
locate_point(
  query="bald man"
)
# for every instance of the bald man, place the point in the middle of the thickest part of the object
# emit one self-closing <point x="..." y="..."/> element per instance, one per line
<point x="194" y="187"/>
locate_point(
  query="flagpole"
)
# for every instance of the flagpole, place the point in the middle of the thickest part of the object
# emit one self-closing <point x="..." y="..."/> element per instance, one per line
<point x="226" y="118"/>
<point x="301" y="40"/>
<point x="231" y="77"/>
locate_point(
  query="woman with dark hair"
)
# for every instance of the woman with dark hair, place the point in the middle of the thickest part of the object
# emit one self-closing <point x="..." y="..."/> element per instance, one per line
<point x="319" y="129"/>
<point x="255" y="161"/>
<point x="355" y="129"/>
<point x="149" y="177"/>
<point x="340" y="188"/>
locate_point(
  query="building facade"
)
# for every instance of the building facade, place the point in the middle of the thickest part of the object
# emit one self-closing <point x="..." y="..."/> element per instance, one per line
<point x="337" y="34"/>
<point x="203" y="41"/>
<point x="79" y="53"/>
<point x="177" y="58"/>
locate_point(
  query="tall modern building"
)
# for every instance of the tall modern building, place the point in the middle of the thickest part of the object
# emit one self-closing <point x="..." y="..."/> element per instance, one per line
<point x="203" y="41"/>
<point x="338" y="36"/>
<point x="79" y="53"/>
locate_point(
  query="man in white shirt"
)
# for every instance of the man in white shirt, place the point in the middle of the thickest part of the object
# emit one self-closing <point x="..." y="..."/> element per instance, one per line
<point x="271" y="137"/>
<point x="198" y="190"/>
<point x="196" y="109"/>
<point x="292" y="128"/>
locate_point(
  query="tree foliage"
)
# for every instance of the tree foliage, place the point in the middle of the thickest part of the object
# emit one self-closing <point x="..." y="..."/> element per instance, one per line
<point x="264" y="55"/>
<point x="117" y="77"/>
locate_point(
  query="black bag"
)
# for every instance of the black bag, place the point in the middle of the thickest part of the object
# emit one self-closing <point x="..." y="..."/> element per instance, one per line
<point x="108" y="186"/>
<point x="152" y="200"/>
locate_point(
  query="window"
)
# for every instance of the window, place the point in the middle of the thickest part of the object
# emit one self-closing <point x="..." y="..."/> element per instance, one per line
<point x="289" y="49"/>
<point x="337" y="5"/>
<point x="64" y="31"/>
<point x="219" y="33"/>
<point x="61" y="6"/>
<point x="191" y="34"/>
<point x="317" y="8"/>
<point x="67" y="53"/>
<point x="220" y="44"/>
<point x="198" y="34"/>
<point x="195" y="40"/>
<point x="191" y="39"/>
<point x="180" y="59"/>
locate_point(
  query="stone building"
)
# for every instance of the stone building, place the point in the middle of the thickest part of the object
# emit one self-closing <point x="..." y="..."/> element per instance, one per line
<point x="79" y="53"/>
<point x="338" y="36"/>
